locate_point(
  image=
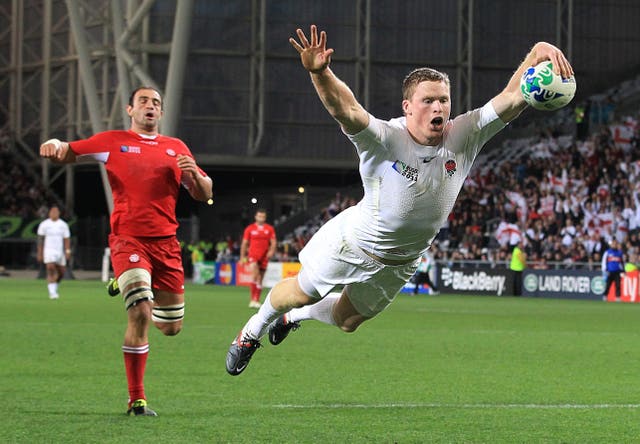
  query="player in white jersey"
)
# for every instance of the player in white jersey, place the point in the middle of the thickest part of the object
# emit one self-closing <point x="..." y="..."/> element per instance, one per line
<point x="54" y="248"/>
<point x="412" y="169"/>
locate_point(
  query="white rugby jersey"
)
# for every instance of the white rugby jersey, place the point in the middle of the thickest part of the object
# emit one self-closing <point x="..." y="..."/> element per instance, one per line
<point x="410" y="189"/>
<point x="54" y="233"/>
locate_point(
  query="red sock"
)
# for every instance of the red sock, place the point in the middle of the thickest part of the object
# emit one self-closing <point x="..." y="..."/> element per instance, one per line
<point x="252" y="291"/>
<point x="258" y="292"/>
<point x="135" y="362"/>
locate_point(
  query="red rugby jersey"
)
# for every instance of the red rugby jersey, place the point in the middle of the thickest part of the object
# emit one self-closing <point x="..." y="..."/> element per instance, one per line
<point x="144" y="177"/>
<point x="259" y="237"/>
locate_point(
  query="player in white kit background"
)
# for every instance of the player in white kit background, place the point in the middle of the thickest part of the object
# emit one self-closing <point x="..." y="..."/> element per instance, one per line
<point x="412" y="169"/>
<point x="54" y="249"/>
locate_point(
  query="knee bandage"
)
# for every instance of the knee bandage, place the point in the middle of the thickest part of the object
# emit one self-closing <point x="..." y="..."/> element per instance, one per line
<point x="168" y="313"/>
<point x="135" y="285"/>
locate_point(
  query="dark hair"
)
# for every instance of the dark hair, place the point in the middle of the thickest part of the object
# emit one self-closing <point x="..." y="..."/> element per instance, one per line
<point x="261" y="210"/>
<point x="421" y="75"/>
<point x="134" y="92"/>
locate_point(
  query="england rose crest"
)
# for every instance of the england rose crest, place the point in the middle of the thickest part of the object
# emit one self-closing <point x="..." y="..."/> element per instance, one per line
<point x="450" y="167"/>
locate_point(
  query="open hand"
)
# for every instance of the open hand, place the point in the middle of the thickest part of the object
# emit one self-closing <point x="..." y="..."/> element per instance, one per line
<point x="314" y="56"/>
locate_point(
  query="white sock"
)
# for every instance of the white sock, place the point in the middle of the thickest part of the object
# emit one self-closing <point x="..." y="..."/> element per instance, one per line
<point x="257" y="326"/>
<point x="320" y="311"/>
<point x="53" y="288"/>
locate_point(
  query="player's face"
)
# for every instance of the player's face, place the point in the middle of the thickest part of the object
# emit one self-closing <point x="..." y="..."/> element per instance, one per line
<point x="54" y="213"/>
<point x="146" y="111"/>
<point x="261" y="218"/>
<point x="428" y="111"/>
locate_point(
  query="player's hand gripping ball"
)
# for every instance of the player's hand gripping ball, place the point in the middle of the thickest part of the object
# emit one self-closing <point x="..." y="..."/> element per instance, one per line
<point x="544" y="90"/>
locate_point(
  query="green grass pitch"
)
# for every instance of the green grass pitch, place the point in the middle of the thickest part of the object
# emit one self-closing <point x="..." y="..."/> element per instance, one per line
<point x="448" y="369"/>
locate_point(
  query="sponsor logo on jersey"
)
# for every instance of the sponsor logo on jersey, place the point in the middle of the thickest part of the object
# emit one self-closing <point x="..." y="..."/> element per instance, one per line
<point x="130" y="149"/>
<point x="148" y="142"/>
<point x="170" y="152"/>
<point x="405" y="170"/>
<point x="450" y="167"/>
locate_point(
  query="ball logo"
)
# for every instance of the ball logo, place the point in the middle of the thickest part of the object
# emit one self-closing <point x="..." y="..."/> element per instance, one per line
<point x="226" y="274"/>
<point x="134" y="258"/>
<point x="171" y="153"/>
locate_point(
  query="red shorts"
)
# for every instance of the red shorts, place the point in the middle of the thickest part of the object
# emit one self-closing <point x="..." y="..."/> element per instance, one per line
<point x="261" y="259"/>
<point x="161" y="257"/>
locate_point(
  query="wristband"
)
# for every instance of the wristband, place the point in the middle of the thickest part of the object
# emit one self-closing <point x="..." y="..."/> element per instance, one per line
<point x="55" y="142"/>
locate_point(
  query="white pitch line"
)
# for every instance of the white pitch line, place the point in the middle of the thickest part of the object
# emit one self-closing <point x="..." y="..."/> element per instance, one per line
<point x="436" y="405"/>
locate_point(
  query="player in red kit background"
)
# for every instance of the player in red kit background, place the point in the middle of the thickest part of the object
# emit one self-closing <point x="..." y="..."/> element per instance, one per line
<point x="145" y="170"/>
<point x="260" y="239"/>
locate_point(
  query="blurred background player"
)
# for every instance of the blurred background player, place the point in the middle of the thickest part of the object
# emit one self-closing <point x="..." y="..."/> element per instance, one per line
<point x="54" y="249"/>
<point x="145" y="170"/>
<point x="613" y="267"/>
<point x="259" y="239"/>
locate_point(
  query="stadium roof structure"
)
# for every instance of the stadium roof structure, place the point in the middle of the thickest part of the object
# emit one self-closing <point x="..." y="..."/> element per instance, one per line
<point x="233" y="87"/>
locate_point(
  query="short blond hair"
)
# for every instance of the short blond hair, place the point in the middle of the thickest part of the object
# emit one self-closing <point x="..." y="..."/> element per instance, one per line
<point x="420" y="75"/>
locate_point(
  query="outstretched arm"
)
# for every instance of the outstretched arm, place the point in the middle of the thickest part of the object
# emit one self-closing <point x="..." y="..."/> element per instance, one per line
<point x="57" y="151"/>
<point x="335" y="95"/>
<point x="509" y="103"/>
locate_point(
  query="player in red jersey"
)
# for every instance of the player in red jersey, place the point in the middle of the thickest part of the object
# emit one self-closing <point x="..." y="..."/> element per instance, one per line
<point x="145" y="170"/>
<point x="260" y="239"/>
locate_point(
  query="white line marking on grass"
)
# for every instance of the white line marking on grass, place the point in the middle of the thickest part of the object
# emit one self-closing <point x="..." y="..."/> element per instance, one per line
<point x="436" y="405"/>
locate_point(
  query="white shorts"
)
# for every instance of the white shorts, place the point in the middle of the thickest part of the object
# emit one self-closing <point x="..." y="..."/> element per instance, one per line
<point x="330" y="260"/>
<point x="54" y="257"/>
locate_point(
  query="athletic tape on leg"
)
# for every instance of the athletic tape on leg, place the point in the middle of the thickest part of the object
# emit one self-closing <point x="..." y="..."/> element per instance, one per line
<point x="135" y="285"/>
<point x="168" y="313"/>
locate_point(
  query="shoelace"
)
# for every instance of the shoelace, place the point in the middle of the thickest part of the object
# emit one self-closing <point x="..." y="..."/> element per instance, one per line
<point x="293" y="325"/>
<point x="249" y="343"/>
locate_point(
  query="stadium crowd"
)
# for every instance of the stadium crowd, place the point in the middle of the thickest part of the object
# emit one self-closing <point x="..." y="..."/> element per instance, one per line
<point x="20" y="194"/>
<point x="568" y="198"/>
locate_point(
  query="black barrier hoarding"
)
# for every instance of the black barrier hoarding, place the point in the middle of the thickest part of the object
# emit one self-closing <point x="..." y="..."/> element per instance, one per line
<point x="492" y="282"/>
<point x="565" y="284"/>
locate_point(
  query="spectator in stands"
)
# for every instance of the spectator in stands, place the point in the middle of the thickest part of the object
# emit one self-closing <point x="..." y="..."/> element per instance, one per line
<point x="582" y="120"/>
<point x="568" y="233"/>
<point x="20" y="194"/>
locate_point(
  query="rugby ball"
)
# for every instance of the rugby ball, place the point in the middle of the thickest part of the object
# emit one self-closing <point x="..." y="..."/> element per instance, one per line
<point x="544" y="90"/>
